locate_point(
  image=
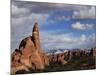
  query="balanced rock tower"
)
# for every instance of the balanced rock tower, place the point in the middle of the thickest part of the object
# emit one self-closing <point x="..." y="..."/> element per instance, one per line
<point x="29" y="55"/>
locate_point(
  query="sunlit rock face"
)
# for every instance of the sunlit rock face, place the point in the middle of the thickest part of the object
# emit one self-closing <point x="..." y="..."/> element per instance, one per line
<point x="35" y="36"/>
<point x="29" y="55"/>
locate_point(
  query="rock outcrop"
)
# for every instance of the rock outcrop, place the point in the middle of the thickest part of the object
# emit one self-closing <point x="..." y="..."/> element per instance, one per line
<point x="29" y="55"/>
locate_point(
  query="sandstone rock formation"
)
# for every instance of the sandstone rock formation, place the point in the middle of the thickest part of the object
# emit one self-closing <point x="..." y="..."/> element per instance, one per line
<point x="94" y="51"/>
<point x="29" y="55"/>
<point x="58" y="58"/>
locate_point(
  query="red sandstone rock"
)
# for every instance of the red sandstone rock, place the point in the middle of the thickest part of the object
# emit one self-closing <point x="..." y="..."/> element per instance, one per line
<point x="30" y="54"/>
<point x="35" y="36"/>
<point x="94" y="52"/>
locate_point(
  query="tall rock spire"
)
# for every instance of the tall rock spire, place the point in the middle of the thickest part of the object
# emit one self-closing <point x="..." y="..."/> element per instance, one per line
<point x="29" y="54"/>
<point x="35" y="36"/>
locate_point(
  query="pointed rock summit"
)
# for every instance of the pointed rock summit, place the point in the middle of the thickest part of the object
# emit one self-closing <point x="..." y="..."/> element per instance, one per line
<point x="36" y="28"/>
<point x="36" y="37"/>
<point x="29" y="55"/>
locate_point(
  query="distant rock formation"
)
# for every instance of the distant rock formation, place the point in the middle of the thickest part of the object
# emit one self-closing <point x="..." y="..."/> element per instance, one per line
<point x="94" y="51"/>
<point x="29" y="55"/>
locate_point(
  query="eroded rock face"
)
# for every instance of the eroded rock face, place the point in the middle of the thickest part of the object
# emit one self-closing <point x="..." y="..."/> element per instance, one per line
<point x="29" y="54"/>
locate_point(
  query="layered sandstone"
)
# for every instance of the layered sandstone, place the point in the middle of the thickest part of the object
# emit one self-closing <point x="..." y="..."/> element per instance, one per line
<point x="29" y="55"/>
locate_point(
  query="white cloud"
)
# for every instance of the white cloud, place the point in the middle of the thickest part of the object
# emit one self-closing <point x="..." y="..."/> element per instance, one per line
<point x="86" y="12"/>
<point x="23" y="15"/>
<point x="67" y="40"/>
<point x="32" y="17"/>
<point x="62" y="18"/>
<point x="80" y="26"/>
<point x="19" y="15"/>
<point x="19" y="11"/>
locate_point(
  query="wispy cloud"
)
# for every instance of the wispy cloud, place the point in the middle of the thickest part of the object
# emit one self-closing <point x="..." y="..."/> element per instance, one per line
<point x="21" y="15"/>
<point x="62" y="18"/>
<point x="85" y="13"/>
<point x="80" y="26"/>
<point x="19" y="11"/>
<point x="67" y="40"/>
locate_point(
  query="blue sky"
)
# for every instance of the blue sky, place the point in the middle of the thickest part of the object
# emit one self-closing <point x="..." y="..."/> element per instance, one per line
<point x="61" y="25"/>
